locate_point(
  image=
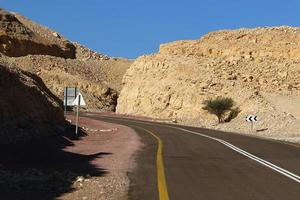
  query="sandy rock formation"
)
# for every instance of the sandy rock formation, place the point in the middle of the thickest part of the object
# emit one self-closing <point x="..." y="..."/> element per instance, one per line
<point x="18" y="40"/>
<point x="58" y="73"/>
<point x="61" y="63"/>
<point x="28" y="110"/>
<point x="253" y="66"/>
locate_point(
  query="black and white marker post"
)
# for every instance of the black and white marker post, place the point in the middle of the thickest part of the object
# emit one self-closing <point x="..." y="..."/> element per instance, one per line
<point x="252" y="119"/>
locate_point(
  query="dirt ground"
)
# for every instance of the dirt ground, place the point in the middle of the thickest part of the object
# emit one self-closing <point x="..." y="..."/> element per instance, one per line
<point x="119" y="144"/>
<point x="91" y="166"/>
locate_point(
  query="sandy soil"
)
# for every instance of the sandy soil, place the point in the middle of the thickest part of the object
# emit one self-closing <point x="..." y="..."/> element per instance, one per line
<point x="119" y="143"/>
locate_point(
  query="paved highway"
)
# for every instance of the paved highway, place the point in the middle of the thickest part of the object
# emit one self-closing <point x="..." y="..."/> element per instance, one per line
<point x="187" y="163"/>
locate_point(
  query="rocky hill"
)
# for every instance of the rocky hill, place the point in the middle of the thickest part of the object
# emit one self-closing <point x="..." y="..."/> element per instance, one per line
<point x="19" y="40"/>
<point x="59" y="62"/>
<point x="259" y="68"/>
<point x="28" y="110"/>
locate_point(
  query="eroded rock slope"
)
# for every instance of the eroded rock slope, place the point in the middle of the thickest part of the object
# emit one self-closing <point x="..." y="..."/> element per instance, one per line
<point x="59" y="62"/>
<point x="28" y="110"/>
<point x="259" y="68"/>
<point x="19" y="40"/>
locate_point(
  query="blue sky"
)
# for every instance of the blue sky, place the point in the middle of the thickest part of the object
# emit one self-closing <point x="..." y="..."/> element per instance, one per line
<point x="130" y="28"/>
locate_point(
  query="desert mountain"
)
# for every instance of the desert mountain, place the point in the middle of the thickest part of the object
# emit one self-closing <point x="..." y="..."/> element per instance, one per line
<point x="259" y="68"/>
<point x="28" y="110"/>
<point x="19" y="40"/>
<point x="59" y="62"/>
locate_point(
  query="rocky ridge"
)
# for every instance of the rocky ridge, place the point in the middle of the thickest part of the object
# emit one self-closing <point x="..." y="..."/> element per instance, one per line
<point x="19" y="40"/>
<point x="253" y="66"/>
<point x="28" y="110"/>
<point x="96" y="75"/>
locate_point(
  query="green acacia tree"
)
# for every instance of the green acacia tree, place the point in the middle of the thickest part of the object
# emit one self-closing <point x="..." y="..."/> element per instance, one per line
<point x="219" y="107"/>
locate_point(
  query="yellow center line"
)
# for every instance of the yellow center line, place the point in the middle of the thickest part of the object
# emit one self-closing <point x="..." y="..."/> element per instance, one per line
<point x="161" y="178"/>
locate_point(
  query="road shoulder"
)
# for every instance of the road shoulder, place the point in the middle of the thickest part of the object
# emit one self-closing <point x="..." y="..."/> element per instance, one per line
<point x="121" y="144"/>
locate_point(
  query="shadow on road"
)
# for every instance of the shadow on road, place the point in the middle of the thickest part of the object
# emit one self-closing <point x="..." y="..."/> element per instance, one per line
<point x="42" y="169"/>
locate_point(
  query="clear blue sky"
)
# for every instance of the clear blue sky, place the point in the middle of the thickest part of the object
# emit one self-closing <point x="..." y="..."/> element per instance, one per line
<point x="129" y="28"/>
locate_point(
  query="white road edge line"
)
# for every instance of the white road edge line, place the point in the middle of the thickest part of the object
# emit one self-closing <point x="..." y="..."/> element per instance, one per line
<point x="249" y="155"/>
<point x="268" y="164"/>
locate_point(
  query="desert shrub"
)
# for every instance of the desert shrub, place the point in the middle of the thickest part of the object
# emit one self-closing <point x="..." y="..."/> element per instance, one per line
<point x="219" y="107"/>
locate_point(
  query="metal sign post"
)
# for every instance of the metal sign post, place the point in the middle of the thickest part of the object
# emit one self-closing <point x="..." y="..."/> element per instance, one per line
<point x="72" y="97"/>
<point x="79" y="101"/>
<point x="77" y="114"/>
<point x="66" y="100"/>
<point x="75" y="98"/>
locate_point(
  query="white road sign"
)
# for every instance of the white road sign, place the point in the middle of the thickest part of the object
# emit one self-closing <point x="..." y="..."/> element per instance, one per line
<point x="79" y="100"/>
<point x="70" y="94"/>
<point x="251" y="118"/>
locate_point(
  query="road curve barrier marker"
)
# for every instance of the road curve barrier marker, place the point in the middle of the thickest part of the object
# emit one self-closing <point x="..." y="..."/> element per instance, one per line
<point x="252" y="119"/>
<point x="161" y="178"/>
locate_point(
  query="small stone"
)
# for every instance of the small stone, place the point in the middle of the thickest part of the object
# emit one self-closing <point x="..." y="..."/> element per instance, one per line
<point x="55" y="34"/>
<point x="88" y="176"/>
<point x="232" y="77"/>
<point x="247" y="56"/>
<point x="283" y="75"/>
<point x="290" y="87"/>
<point x="79" y="179"/>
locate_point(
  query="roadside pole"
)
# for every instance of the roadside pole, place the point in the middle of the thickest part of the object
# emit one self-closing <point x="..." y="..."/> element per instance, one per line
<point x="75" y="96"/>
<point x="66" y="100"/>
<point x="77" y="114"/>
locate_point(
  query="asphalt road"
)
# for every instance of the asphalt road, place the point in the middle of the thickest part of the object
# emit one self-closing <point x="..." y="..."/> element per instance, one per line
<point x="204" y="164"/>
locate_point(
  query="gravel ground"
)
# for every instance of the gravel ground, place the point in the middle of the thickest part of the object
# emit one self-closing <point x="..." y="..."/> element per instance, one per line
<point x="119" y="144"/>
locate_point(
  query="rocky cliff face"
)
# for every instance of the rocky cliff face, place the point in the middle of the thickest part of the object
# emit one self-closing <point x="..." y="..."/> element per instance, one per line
<point x="28" y="110"/>
<point x="253" y="66"/>
<point x="18" y="40"/>
<point x="59" y="62"/>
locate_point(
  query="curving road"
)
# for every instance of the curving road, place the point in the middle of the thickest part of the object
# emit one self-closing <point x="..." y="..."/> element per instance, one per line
<point x="187" y="163"/>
